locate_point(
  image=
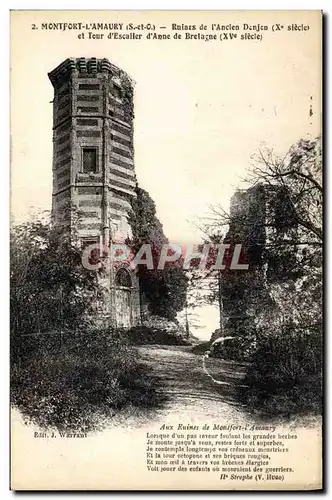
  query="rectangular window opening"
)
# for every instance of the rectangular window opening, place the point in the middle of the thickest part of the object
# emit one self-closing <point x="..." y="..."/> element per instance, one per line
<point x="89" y="160"/>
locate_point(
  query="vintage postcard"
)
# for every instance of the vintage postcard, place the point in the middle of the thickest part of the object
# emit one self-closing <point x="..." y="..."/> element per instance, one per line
<point x="166" y="250"/>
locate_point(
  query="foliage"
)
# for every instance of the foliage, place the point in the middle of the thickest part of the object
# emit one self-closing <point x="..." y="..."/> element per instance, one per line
<point x="240" y="343"/>
<point x="201" y="348"/>
<point x="274" y="310"/>
<point x="78" y="381"/>
<point x="294" y="254"/>
<point x="50" y="288"/>
<point x="164" y="289"/>
<point x="298" y="176"/>
<point x="64" y="376"/>
<point x="278" y="218"/>
<point x="127" y="86"/>
<point x="142" y="335"/>
<point x="285" y="376"/>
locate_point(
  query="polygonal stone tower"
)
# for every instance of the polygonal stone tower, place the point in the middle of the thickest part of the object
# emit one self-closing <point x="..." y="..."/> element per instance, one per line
<point x="93" y="165"/>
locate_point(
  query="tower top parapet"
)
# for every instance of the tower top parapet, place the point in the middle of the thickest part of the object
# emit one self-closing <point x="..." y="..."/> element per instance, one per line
<point x="88" y="66"/>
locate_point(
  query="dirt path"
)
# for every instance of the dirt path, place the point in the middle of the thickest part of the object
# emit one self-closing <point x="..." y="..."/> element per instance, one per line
<point x="188" y="387"/>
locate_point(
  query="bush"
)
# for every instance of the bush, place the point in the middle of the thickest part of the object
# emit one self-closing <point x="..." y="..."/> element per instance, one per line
<point x="141" y="335"/>
<point x="285" y="376"/>
<point x="79" y="383"/>
<point x="201" y="348"/>
<point x="234" y="349"/>
<point x="50" y="289"/>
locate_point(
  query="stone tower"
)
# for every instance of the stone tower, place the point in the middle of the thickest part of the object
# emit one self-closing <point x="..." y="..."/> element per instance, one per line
<point x="93" y="167"/>
<point x="261" y="221"/>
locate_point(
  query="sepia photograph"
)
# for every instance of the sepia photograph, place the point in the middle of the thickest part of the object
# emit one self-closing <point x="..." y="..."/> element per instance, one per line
<point x="166" y="250"/>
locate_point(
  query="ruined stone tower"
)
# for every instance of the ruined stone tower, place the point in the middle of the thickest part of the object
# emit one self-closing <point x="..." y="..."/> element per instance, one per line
<point x="93" y="167"/>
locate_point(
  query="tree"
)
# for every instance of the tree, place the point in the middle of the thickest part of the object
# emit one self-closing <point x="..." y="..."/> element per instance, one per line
<point x="74" y="382"/>
<point x="194" y="299"/>
<point x="164" y="290"/>
<point x="294" y="253"/>
<point x="298" y="175"/>
<point x="50" y="288"/>
<point x="278" y="220"/>
<point x="275" y="309"/>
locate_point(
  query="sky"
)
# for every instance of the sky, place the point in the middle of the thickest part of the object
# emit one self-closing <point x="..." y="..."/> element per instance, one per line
<point x="202" y="109"/>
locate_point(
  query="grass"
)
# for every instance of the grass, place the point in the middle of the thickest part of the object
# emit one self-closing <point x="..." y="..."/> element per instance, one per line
<point x="284" y="377"/>
<point x="81" y="383"/>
